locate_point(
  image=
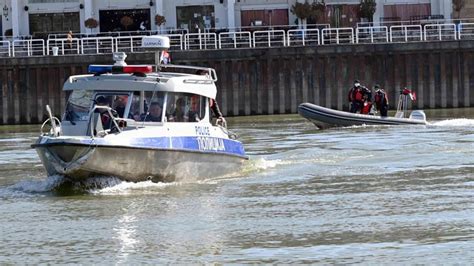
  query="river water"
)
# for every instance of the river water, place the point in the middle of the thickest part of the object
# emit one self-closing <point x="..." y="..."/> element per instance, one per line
<point x="367" y="195"/>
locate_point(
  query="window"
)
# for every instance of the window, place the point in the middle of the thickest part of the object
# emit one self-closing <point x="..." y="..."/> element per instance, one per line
<point x="52" y="1"/>
<point x="42" y="24"/>
<point x="149" y="108"/>
<point x="195" y="17"/>
<point x="78" y="105"/>
<point x="185" y="107"/>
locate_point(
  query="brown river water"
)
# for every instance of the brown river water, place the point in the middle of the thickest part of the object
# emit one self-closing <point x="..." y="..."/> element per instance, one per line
<point x="370" y="195"/>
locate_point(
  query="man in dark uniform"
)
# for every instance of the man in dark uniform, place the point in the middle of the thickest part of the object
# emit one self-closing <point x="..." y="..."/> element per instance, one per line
<point x="381" y="100"/>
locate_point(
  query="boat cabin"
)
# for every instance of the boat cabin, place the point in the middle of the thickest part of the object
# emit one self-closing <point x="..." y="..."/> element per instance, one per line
<point x="113" y="99"/>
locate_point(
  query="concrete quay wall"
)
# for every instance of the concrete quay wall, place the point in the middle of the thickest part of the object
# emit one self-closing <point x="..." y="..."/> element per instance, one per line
<point x="267" y="80"/>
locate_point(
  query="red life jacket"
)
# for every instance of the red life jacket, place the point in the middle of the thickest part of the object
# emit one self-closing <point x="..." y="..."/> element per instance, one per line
<point x="380" y="98"/>
<point x="366" y="108"/>
<point x="358" y="94"/>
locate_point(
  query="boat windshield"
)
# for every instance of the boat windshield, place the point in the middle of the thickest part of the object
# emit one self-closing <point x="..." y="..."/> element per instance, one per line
<point x="117" y="101"/>
<point x="185" y="107"/>
<point x="150" y="109"/>
<point x="78" y="105"/>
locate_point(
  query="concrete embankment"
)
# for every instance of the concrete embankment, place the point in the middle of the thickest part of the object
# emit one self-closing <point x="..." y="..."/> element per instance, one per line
<point x="267" y="80"/>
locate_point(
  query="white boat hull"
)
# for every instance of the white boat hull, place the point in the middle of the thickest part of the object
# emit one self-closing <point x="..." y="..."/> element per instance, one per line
<point x="78" y="162"/>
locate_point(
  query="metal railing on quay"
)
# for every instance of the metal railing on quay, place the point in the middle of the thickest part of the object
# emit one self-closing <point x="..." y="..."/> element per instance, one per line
<point x="337" y="36"/>
<point x="465" y="31"/>
<point x="5" y="48"/>
<point x="97" y="45"/>
<point x="319" y="34"/>
<point x="34" y="47"/>
<point x="63" y="46"/>
<point x="269" y="38"/>
<point x="378" y="34"/>
<point x="200" y="41"/>
<point x="406" y="33"/>
<point x="235" y="39"/>
<point x="440" y="32"/>
<point x="303" y="37"/>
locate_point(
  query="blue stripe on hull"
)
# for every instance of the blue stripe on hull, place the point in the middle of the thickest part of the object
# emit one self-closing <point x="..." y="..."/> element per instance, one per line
<point x="193" y="144"/>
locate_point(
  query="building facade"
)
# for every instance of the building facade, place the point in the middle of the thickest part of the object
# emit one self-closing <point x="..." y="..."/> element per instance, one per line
<point x="40" y="17"/>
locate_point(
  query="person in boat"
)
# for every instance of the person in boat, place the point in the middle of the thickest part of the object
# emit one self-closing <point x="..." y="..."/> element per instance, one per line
<point x="356" y="97"/>
<point x="165" y="57"/>
<point x="179" y="113"/>
<point x="193" y="113"/>
<point x="154" y="113"/>
<point x="366" y="101"/>
<point x="105" y="117"/>
<point x="381" y="101"/>
<point x="120" y="103"/>
<point x="216" y="111"/>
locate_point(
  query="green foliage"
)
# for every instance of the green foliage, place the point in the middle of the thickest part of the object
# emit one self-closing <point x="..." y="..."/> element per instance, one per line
<point x="367" y="9"/>
<point x="306" y="10"/>
<point x="458" y="5"/>
<point x="160" y="20"/>
<point x="126" y="21"/>
<point x="91" y="23"/>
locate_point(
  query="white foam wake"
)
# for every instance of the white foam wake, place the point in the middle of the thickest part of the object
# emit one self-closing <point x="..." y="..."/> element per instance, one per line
<point x="458" y="122"/>
<point x="125" y="188"/>
<point x="39" y="186"/>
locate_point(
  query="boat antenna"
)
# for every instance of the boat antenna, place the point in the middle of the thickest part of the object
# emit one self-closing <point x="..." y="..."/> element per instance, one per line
<point x="157" y="43"/>
<point x="119" y="58"/>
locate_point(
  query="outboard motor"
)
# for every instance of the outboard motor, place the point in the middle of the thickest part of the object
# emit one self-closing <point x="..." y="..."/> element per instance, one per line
<point x="418" y="115"/>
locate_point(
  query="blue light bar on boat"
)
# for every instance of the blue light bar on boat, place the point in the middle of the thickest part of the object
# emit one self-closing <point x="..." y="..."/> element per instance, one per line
<point x="95" y="69"/>
<point x="100" y="69"/>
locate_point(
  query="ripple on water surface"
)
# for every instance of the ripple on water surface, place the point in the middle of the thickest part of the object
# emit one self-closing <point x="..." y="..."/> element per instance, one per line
<point x="364" y="194"/>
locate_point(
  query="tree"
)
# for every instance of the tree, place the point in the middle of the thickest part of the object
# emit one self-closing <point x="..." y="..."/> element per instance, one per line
<point x="317" y="10"/>
<point x="126" y="21"/>
<point x="159" y="20"/>
<point x="91" y="23"/>
<point x="306" y="10"/>
<point x="457" y="6"/>
<point x="301" y="10"/>
<point x="367" y="9"/>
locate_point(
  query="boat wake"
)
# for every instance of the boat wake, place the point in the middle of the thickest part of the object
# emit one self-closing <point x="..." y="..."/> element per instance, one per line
<point x="126" y="188"/>
<point x="38" y="186"/>
<point x="459" y="122"/>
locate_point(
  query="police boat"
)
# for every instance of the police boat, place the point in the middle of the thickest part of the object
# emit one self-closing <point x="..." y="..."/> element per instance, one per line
<point x="136" y="123"/>
<point x="324" y="117"/>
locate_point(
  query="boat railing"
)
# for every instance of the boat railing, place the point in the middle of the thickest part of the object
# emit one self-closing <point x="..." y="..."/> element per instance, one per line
<point x="209" y="72"/>
<point x="93" y="123"/>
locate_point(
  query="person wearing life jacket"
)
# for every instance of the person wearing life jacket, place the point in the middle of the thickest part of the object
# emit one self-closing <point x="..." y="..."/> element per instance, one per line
<point x="165" y="57"/>
<point x="381" y="100"/>
<point x="355" y="97"/>
<point x="366" y="100"/>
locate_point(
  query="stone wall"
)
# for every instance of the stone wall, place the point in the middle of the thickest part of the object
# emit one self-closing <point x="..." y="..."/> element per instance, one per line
<point x="268" y="81"/>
